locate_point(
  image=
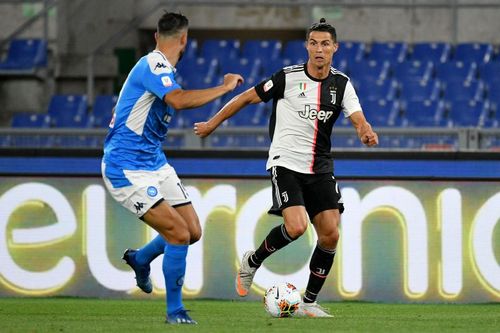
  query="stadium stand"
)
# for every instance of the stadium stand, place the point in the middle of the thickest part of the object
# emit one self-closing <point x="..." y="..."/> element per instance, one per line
<point x="24" y="55"/>
<point x="416" y="85"/>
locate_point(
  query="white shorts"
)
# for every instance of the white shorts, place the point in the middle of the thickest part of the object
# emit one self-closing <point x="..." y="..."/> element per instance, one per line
<point x="139" y="190"/>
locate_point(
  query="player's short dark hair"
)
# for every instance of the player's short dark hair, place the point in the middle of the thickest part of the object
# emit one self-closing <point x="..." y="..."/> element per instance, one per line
<point x="171" y="23"/>
<point x="322" y="26"/>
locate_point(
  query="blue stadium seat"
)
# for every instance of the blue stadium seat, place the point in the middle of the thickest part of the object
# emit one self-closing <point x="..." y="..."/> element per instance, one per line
<point x="494" y="92"/>
<point x="435" y="52"/>
<point x="414" y="70"/>
<point x="250" y="115"/>
<point x="473" y="52"/>
<point x="490" y="73"/>
<point x="456" y="71"/>
<point x="25" y="54"/>
<point x="472" y="113"/>
<point x="197" y="74"/>
<point x="234" y="141"/>
<point x="464" y="91"/>
<point x="350" y="52"/>
<point x="102" y="110"/>
<point x="246" y="67"/>
<point x="371" y="91"/>
<point x="265" y="50"/>
<point x="192" y="51"/>
<point x="220" y="49"/>
<point x="68" y="111"/>
<point x="393" y="52"/>
<point x="295" y="50"/>
<point x="30" y="120"/>
<point x="371" y="70"/>
<point x="270" y="67"/>
<point x="418" y="91"/>
<point x="492" y="120"/>
<point x="382" y="113"/>
<point x="428" y="113"/>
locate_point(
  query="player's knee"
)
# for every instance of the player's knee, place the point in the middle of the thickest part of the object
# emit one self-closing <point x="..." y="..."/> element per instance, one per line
<point x="182" y="236"/>
<point x="297" y="229"/>
<point x="330" y="239"/>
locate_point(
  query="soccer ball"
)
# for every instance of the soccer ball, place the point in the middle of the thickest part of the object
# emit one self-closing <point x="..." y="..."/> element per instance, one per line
<point x="282" y="300"/>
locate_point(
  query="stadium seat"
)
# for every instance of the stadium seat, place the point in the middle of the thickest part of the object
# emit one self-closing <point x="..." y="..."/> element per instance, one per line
<point x="192" y="51"/>
<point x="265" y="50"/>
<point x="197" y="74"/>
<point x="371" y="70"/>
<point x="428" y="113"/>
<point x="417" y="91"/>
<point x="490" y="73"/>
<point x="456" y="71"/>
<point x="102" y="110"/>
<point x="270" y="67"/>
<point x="473" y="52"/>
<point x="466" y="114"/>
<point x="414" y="70"/>
<point x="435" y="52"/>
<point x="68" y="111"/>
<point x="250" y="115"/>
<point x="220" y="49"/>
<point x="350" y="52"/>
<point x="371" y="91"/>
<point x="25" y="54"/>
<point x="243" y="140"/>
<point x="246" y="67"/>
<point x="392" y="52"/>
<point x="382" y="113"/>
<point x="295" y="50"/>
<point x="30" y="120"/>
<point x="464" y="91"/>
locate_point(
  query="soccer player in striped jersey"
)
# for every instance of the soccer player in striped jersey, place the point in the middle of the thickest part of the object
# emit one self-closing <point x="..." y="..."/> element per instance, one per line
<point x="307" y="100"/>
<point x="135" y="169"/>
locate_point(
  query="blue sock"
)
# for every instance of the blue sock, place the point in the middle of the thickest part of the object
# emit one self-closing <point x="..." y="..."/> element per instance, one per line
<point x="174" y="267"/>
<point x="150" y="251"/>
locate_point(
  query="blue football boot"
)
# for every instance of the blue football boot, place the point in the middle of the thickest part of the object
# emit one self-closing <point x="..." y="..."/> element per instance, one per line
<point x="180" y="317"/>
<point x="141" y="271"/>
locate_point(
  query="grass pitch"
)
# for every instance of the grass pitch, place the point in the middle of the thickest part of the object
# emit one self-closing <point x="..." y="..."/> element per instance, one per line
<point x="96" y="315"/>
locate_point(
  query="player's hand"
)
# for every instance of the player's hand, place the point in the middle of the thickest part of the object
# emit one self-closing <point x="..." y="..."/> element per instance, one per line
<point x="369" y="138"/>
<point x="231" y="81"/>
<point x="203" y="129"/>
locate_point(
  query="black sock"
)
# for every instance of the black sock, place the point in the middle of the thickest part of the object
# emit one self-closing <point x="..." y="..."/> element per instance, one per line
<point x="321" y="263"/>
<point x="275" y="240"/>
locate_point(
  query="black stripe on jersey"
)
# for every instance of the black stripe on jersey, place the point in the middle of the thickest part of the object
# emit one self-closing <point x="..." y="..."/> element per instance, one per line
<point x="294" y="68"/>
<point x="332" y="91"/>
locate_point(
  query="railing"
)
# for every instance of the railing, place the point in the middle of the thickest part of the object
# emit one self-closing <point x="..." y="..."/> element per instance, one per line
<point x="448" y="139"/>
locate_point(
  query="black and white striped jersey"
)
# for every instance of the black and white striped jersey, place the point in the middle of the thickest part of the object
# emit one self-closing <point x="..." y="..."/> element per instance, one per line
<point x="304" y="111"/>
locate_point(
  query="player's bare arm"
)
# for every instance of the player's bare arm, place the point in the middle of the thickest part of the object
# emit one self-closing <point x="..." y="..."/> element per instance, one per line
<point x="187" y="99"/>
<point x="250" y="96"/>
<point x="364" y="129"/>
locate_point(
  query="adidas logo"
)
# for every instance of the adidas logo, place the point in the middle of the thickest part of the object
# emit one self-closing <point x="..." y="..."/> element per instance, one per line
<point x="302" y="95"/>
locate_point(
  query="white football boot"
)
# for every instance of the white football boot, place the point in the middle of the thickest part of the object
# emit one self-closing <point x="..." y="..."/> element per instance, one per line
<point x="313" y="310"/>
<point x="245" y="275"/>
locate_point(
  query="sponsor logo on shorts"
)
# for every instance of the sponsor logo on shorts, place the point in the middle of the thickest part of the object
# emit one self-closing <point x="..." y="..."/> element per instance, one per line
<point x="152" y="191"/>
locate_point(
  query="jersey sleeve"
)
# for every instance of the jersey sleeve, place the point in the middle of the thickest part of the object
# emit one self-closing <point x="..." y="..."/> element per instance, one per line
<point x="159" y="77"/>
<point x="274" y="87"/>
<point x="350" y="102"/>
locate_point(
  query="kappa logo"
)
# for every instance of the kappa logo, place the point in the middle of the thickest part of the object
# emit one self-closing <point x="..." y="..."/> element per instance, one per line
<point x="160" y="65"/>
<point x="139" y="206"/>
<point x="313" y="114"/>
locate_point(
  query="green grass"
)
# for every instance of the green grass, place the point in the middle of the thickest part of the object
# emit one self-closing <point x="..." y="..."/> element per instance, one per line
<point x="95" y="315"/>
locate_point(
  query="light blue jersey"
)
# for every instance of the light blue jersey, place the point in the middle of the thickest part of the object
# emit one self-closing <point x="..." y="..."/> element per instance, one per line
<point x="141" y="117"/>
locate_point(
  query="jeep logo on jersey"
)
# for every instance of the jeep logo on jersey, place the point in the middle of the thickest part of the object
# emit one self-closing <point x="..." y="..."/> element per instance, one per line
<point x="314" y="114"/>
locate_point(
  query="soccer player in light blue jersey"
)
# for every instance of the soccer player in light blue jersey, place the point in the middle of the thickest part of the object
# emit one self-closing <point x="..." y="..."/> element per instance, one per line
<point x="135" y="169"/>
